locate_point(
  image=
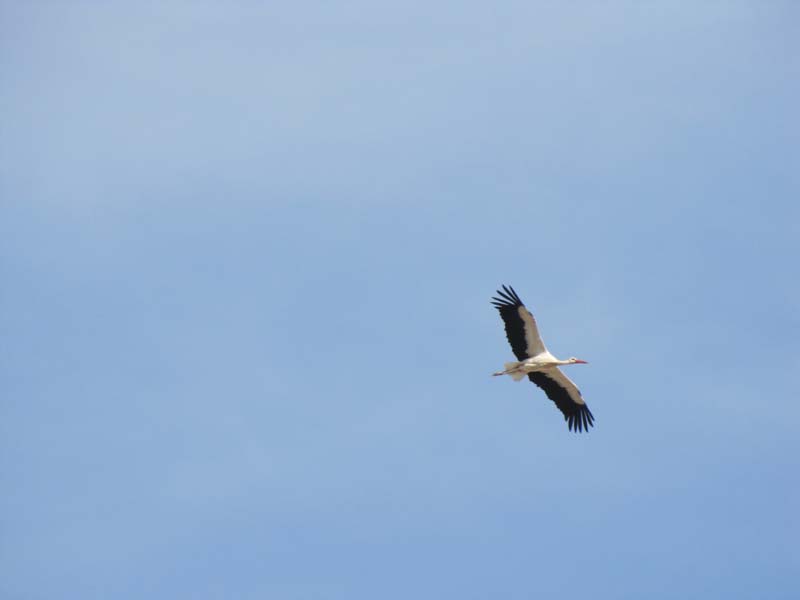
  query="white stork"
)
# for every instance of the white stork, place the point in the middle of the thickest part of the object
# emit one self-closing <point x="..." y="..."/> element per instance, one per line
<point x="537" y="363"/>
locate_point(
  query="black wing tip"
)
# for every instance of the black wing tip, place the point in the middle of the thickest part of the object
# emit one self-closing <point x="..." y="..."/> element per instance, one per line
<point x="506" y="297"/>
<point x="580" y="420"/>
<point x="577" y="415"/>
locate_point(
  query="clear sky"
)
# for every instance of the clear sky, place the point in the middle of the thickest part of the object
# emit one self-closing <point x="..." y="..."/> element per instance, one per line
<point x="246" y="256"/>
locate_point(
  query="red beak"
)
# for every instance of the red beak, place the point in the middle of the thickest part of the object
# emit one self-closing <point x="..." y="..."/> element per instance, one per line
<point x="581" y="362"/>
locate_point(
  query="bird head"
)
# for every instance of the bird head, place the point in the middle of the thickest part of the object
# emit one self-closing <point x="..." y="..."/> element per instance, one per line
<point x="577" y="361"/>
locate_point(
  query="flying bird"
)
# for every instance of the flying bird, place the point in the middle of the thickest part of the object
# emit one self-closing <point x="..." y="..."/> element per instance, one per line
<point x="537" y="363"/>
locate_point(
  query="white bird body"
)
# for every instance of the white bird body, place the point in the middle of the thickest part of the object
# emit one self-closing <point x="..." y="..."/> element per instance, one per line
<point x="540" y="362"/>
<point x="537" y="363"/>
<point x="519" y="369"/>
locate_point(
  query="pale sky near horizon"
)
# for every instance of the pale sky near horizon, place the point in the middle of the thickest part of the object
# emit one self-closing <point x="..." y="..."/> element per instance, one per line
<point x="247" y="251"/>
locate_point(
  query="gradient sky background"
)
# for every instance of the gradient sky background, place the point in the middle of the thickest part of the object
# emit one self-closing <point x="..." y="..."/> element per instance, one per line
<point x="247" y="251"/>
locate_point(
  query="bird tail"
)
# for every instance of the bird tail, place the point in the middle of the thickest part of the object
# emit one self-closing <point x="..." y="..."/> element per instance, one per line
<point x="510" y="369"/>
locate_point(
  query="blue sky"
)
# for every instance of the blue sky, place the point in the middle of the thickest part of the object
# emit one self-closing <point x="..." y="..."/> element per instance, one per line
<point x="247" y="251"/>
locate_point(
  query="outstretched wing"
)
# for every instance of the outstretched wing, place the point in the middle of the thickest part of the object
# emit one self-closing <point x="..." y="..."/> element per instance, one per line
<point x="521" y="330"/>
<point x="567" y="397"/>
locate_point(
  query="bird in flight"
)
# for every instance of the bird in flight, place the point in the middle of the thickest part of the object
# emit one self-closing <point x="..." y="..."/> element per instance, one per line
<point x="537" y="363"/>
